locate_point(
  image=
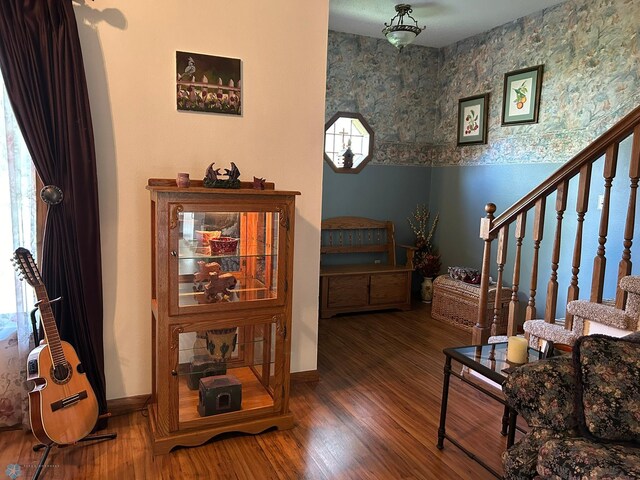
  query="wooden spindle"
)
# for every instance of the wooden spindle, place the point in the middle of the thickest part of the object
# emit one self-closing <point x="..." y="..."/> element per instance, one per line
<point x="582" y="205"/>
<point x="624" y="268"/>
<point x="600" y="261"/>
<point x="552" y="286"/>
<point x="512" y="327"/>
<point x="481" y="330"/>
<point x="501" y="259"/>
<point x="538" y="231"/>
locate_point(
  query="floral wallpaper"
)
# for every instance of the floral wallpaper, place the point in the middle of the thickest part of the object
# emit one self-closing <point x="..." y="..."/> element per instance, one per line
<point x="591" y="55"/>
<point x="393" y="91"/>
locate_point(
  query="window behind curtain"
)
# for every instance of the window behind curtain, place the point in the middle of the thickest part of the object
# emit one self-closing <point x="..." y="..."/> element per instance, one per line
<point x="17" y="229"/>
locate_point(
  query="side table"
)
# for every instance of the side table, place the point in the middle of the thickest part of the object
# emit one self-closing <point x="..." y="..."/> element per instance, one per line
<point x="490" y="361"/>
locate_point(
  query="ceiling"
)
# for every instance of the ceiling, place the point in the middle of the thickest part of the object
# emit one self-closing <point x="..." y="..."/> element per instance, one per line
<point x="447" y="21"/>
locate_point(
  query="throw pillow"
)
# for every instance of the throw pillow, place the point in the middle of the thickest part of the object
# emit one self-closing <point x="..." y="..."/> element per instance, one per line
<point x="465" y="274"/>
<point x="608" y="388"/>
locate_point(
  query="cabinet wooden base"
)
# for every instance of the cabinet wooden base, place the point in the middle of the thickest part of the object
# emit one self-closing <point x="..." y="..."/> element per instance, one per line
<point x="192" y="438"/>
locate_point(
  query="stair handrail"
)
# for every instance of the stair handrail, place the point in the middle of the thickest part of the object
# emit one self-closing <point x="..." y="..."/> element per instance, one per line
<point x="589" y="154"/>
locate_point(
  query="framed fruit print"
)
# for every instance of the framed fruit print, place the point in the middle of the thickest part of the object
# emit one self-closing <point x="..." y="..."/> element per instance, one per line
<point x="472" y="119"/>
<point x="521" y="97"/>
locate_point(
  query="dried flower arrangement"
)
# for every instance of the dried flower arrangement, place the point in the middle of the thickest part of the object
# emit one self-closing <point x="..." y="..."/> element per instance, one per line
<point x="426" y="259"/>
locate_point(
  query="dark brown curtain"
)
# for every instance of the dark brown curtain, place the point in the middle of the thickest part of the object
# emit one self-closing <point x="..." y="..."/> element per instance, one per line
<point x="41" y="61"/>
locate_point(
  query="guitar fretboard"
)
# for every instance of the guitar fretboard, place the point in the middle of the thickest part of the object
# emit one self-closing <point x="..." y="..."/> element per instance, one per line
<point x="49" y="325"/>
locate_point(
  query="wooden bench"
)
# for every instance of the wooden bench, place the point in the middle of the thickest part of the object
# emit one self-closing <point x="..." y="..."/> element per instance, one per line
<point x="358" y="270"/>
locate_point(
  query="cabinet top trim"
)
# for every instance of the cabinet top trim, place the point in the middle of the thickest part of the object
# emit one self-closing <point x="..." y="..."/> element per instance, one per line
<point x="169" y="185"/>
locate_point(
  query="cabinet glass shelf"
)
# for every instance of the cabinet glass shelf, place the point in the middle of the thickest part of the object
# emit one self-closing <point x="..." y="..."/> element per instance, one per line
<point x="227" y="256"/>
<point x="255" y="397"/>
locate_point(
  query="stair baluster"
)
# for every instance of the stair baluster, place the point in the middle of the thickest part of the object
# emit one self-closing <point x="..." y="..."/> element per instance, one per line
<point x="552" y="286"/>
<point x="600" y="261"/>
<point x="538" y="232"/>
<point x="624" y="268"/>
<point x="512" y="326"/>
<point x="582" y="205"/>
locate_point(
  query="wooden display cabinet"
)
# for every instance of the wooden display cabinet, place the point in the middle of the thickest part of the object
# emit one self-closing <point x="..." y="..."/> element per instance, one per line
<point x="222" y="263"/>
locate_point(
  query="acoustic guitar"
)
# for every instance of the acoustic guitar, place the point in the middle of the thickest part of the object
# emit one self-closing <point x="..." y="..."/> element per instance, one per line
<point x="62" y="406"/>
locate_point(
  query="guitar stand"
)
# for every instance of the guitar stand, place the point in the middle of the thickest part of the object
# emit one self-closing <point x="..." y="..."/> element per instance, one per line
<point x="47" y="448"/>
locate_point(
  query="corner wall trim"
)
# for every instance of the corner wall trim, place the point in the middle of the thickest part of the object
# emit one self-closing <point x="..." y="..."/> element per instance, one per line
<point x="306" y="376"/>
<point x="120" y="406"/>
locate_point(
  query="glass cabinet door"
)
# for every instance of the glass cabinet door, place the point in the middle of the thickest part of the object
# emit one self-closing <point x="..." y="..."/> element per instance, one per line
<point x="222" y="370"/>
<point x="223" y="259"/>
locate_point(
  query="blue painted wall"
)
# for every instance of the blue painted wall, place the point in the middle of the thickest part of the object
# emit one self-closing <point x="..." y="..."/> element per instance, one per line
<point x="379" y="192"/>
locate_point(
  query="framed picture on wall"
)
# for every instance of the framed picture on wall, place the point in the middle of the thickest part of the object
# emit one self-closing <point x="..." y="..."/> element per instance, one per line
<point x="472" y="119"/>
<point x="207" y="83"/>
<point x="521" y="97"/>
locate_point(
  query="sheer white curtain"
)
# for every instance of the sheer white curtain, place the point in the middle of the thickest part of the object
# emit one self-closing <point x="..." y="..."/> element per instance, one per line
<point x="17" y="229"/>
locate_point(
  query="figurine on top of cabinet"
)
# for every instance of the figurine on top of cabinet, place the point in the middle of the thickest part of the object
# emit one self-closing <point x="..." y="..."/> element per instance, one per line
<point x="211" y="179"/>
<point x="258" y="183"/>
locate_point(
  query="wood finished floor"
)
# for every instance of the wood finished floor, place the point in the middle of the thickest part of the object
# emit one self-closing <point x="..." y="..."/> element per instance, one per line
<point x="373" y="415"/>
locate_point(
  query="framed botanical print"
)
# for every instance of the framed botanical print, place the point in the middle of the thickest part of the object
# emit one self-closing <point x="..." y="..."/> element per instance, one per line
<point x="473" y="114"/>
<point x="521" y="97"/>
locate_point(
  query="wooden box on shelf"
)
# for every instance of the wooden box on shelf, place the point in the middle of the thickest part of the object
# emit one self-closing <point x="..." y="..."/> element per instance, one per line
<point x="222" y="311"/>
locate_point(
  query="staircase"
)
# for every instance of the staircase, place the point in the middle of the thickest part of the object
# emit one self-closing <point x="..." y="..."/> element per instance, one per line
<point x="558" y="246"/>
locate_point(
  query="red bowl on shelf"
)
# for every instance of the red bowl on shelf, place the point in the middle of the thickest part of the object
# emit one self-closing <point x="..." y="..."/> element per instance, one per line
<point x="223" y="245"/>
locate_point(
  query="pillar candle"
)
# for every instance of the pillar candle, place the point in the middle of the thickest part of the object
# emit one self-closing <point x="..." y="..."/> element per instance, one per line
<point x="517" y="350"/>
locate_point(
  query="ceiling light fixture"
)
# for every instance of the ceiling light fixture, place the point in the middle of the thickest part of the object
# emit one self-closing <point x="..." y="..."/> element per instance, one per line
<point x="401" y="35"/>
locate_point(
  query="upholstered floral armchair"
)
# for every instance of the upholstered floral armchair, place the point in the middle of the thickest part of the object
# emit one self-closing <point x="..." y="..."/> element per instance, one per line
<point x="583" y="412"/>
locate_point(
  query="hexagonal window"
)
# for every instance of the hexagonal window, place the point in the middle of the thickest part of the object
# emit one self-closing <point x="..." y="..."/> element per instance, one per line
<point x="348" y="142"/>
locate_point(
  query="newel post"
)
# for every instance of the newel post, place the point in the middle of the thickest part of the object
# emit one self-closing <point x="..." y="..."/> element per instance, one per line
<point x="482" y="328"/>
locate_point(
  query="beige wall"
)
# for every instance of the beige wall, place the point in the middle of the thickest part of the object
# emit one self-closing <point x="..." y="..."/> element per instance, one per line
<point x="129" y="51"/>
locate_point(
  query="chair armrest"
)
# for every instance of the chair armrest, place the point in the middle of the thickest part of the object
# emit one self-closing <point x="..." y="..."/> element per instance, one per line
<point x="630" y="283"/>
<point x="604" y="314"/>
<point x="410" y="252"/>
<point x="553" y="332"/>
<point x="543" y="393"/>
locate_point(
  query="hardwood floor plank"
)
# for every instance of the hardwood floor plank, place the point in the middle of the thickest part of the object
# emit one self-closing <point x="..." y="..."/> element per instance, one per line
<point x="373" y="414"/>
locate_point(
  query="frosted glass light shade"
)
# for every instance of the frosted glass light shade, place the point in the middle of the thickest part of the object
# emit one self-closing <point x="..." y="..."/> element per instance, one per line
<point x="400" y="38"/>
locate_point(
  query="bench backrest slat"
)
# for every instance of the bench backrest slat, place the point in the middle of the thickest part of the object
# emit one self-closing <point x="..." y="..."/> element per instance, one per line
<point x="358" y="235"/>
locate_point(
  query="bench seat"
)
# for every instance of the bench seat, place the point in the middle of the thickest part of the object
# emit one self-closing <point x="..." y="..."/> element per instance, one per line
<point x="366" y="286"/>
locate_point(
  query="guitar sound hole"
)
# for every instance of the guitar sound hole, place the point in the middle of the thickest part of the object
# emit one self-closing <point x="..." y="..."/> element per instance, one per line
<point x="61" y="373"/>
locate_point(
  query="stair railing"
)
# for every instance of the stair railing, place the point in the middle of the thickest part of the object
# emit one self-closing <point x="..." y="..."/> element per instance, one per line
<point x="492" y="228"/>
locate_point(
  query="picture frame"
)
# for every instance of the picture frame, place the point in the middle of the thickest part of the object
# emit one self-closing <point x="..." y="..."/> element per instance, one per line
<point x="521" y="96"/>
<point x="473" y="115"/>
<point x="208" y="83"/>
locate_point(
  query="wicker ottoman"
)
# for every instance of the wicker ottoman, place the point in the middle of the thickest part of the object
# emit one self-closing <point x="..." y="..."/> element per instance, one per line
<point x="456" y="302"/>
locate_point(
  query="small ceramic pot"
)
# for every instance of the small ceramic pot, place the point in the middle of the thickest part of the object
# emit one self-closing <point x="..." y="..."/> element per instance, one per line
<point x="182" y="180"/>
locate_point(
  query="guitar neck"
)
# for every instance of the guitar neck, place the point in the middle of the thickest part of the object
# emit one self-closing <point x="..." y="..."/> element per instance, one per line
<point x="49" y="325"/>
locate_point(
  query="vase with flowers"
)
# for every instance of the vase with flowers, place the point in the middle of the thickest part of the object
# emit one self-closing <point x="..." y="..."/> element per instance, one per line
<point x="426" y="259"/>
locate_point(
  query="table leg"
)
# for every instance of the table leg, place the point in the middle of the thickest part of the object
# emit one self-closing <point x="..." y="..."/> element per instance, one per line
<point x="505" y="422"/>
<point x="513" y="417"/>
<point x="443" y="405"/>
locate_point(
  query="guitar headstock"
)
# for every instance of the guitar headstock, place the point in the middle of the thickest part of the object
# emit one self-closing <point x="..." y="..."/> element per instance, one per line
<point x="25" y="265"/>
